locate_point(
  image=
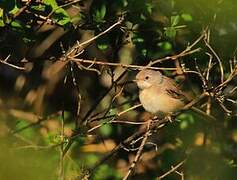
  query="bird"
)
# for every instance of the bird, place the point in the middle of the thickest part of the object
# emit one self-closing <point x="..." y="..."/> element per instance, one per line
<point x="159" y="94"/>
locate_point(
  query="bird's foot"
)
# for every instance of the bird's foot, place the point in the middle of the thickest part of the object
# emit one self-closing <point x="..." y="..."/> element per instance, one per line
<point x="170" y="117"/>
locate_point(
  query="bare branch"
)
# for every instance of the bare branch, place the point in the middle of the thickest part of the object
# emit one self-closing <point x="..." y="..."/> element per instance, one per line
<point x="11" y="65"/>
<point x="173" y="169"/>
<point x="206" y="40"/>
<point x="139" y="152"/>
<point x="117" y="64"/>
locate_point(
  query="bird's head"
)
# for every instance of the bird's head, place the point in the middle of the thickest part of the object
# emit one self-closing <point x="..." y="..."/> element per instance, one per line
<point x="147" y="78"/>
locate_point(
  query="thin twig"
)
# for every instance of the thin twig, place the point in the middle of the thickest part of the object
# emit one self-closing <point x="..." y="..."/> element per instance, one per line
<point x="206" y="40"/>
<point x="173" y="169"/>
<point x="209" y="66"/>
<point x="118" y="64"/>
<point x="129" y="109"/>
<point x="139" y="152"/>
<point x="174" y="57"/>
<point x="185" y="52"/>
<point x="79" y="47"/>
<point x="22" y="9"/>
<point x="61" y="160"/>
<point x="113" y="120"/>
<point x="85" y="118"/>
<point x="11" y="65"/>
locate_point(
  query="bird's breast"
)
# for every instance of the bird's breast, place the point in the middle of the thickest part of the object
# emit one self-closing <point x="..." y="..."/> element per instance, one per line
<point x="157" y="102"/>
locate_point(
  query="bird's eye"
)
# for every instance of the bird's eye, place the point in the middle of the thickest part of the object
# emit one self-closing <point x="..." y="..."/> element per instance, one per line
<point x="147" y="77"/>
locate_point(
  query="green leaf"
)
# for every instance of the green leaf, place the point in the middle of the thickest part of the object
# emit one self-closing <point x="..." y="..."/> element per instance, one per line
<point x="100" y="14"/>
<point x="186" y="120"/>
<point x="51" y="3"/>
<point x="166" y="46"/>
<point x="144" y="52"/>
<point x="2" y="24"/>
<point x="14" y="10"/>
<point x="142" y="16"/>
<point x="40" y="7"/>
<point x="187" y="17"/>
<point x="106" y="129"/>
<point x="125" y="3"/>
<point x="103" y="11"/>
<point x="27" y="133"/>
<point x="59" y="14"/>
<point x="170" y="32"/>
<point x="174" y="20"/>
<point x="137" y="39"/>
<point x="149" y="7"/>
<point x="91" y="159"/>
<point x="102" y="46"/>
<point x="16" y="26"/>
<point x="103" y="43"/>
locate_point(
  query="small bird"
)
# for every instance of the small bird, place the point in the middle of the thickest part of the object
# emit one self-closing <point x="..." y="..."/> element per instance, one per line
<point x="159" y="94"/>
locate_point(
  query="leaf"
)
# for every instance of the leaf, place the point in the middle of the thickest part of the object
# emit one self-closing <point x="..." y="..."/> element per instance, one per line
<point x="170" y="32"/>
<point x="27" y="133"/>
<point x="106" y="130"/>
<point x="174" y="20"/>
<point x="102" y="43"/>
<point x="149" y="7"/>
<point x="137" y="39"/>
<point x="40" y="7"/>
<point x="2" y="24"/>
<point x="142" y="16"/>
<point x="60" y="15"/>
<point x="51" y="3"/>
<point x="102" y="46"/>
<point x="166" y="46"/>
<point x="102" y="11"/>
<point x="144" y="52"/>
<point x="17" y="26"/>
<point x="186" y="120"/>
<point x="187" y="17"/>
<point x="100" y="14"/>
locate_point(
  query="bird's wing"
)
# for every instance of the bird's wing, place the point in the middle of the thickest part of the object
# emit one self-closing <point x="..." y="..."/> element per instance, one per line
<point x="174" y="91"/>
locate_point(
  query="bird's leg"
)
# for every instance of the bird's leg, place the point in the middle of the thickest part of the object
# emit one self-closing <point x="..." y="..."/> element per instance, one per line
<point x="170" y="117"/>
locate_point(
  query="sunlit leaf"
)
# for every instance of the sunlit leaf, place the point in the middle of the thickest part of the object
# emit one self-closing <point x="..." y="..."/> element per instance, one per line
<point x="59" y="14"/>
<point x="149" y="7"/>
<point x="102" y="46"/>
<point x="106" y="130"/>
<point x="175" y="20"/>
<point x="186" y="17"/>
<point x="186" y="120"/>
<point x="170" y="32"/>
<point x="100" y="14"/>
<point x="1" y="18"/>
<point x="167" y="46"/>
<point x="142" y="16"/>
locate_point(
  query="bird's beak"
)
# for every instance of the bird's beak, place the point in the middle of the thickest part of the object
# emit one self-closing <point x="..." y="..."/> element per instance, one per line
<point x="134" y="80"/>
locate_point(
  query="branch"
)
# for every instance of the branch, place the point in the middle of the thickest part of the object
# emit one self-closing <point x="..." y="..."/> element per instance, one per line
<point x="139" y="152"/>
<point x="206" y="40"/>
<point x="79" y="47"/>
<point x="11" y="65"/>
<point x="185" y="52"/>
<point x="171" y="170"/>
<point x="117" y="64"/>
